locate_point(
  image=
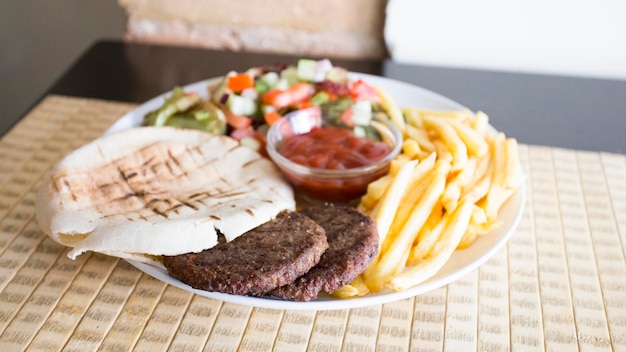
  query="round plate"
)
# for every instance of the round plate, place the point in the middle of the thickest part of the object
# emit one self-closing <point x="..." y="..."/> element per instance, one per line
<point x="460" y="263"/>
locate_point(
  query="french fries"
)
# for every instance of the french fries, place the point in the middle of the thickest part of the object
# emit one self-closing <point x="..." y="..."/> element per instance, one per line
<point x="395" y="114"/>
<point x="390" y="262"/>
<point x="444" y="190"/>
<point x="454" y="229"/>
<point x="356" y="288"/>
<point x="391" y="199"/>
<point x="450" y="138"/>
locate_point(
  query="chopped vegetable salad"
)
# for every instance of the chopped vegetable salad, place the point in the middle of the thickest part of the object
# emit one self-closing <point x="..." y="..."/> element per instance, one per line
<point x="244" y="104"/>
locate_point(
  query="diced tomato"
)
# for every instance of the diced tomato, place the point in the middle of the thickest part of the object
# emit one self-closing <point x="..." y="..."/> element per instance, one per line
<point x="304" y="105"/>
<point x="297" y="93"/>
<point x="239" y="82"/>
<point x="239" y="133"/>
<point x="276" y="97"/>
<point x="301" y="92"/>
<point x="249" y="132"/>
<point x="271" y="117"/>
<point x="237" y="121"/>
<point x="360" y="90"/>
<point x="346" y="117"/>
<point x="286" y="130"/>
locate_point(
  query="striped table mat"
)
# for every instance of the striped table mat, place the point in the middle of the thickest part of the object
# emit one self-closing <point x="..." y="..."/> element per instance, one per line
<point x="558" y="285"/>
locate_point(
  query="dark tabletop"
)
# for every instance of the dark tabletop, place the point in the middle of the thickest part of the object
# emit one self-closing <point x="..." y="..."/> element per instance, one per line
<point x="576" y="113"/>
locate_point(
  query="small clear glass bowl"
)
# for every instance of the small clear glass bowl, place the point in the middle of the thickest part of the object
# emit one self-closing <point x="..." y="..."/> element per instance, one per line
<point x="317" y="185"/>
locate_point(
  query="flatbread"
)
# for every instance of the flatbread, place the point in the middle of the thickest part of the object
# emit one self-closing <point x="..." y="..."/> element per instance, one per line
<point x="152" y="191"/>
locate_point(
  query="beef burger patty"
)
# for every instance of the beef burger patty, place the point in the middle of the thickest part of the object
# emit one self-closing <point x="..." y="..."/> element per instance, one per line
<point x="353" y="243"/>
<point x="271" y="255"/>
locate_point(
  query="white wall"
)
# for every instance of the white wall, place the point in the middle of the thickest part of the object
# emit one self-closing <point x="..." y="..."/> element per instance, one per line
<point x="565" y="37"/>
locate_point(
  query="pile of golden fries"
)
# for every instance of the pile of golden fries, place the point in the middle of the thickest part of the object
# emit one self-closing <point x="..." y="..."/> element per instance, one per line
<point x="443" y="191"/>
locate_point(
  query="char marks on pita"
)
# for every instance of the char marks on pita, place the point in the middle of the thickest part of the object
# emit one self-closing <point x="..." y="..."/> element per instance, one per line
<point x="154" y="191"/>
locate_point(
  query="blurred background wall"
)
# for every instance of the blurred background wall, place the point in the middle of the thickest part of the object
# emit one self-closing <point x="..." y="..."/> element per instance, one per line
<point x="346" y="28"/>
<point x="564" y="37"/>
<point x="39" y="39"/>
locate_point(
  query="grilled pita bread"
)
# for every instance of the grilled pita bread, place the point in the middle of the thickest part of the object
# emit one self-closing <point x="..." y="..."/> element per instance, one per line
<point x="151" y="191"/>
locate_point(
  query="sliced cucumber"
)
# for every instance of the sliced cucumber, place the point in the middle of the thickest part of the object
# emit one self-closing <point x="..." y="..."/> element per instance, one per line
<point x="220" y="90"/>
<point x="362" y="112"/>
<point x="313" y="71"/>
<point x="267" y="108"/>
<point x="270" y="78"/>
<point x="320" y="98"/>
<point x="282" y="84"/>
<point x="251" y="142"/>
<point x="367" y="132"/>
<point x="306" y="69"/>
<point x="337" y="74"/>
<point x="290" y="74"/>
<point x="261" y="86"/>
<point x="359" y="131"/>
<point x="241" y="105"/>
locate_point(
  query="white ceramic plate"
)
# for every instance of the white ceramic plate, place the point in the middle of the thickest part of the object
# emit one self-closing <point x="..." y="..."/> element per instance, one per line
<point x="461" y="262"/>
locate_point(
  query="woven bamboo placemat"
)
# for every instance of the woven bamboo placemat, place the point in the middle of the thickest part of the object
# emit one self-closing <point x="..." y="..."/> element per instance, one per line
<point x="558" y="285"/>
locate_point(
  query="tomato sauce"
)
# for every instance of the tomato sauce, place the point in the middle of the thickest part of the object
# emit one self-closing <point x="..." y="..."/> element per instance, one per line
<point x="333" y="148"/>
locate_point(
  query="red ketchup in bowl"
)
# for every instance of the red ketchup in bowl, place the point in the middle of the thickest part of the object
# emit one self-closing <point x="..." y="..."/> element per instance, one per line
<point x="333" y="148"/>
<point x="329" y="151"/>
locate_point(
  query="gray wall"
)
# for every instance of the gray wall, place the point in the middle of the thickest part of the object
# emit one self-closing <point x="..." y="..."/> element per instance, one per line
<point x="39" y="40"/>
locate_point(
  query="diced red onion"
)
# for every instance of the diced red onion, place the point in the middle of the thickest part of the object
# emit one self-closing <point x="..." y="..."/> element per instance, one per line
<point x="321" y="67"/>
